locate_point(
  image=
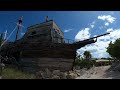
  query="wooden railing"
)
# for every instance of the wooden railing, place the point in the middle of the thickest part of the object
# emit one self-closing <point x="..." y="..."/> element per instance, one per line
<point x="63" y="40"/>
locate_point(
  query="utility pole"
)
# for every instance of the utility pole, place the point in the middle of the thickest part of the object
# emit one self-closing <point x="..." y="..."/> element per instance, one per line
<point x="19" y="24"/>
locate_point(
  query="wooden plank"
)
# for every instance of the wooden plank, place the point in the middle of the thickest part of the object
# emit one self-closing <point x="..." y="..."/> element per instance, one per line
<point x="51" y="52"/>
<point x="50" y="63"/>
<point x="49" y="60"/>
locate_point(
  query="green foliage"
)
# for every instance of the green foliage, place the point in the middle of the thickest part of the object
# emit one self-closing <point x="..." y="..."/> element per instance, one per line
<point x="87" y="55"/>
<point x="85" y="63"/>
<point x="12" y="73"/>
<point x="93" y="62"/>
<point x="114" y="49"/>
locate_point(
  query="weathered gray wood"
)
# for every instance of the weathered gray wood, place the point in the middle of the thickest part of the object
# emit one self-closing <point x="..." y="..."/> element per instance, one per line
<point x="50" y="63"/>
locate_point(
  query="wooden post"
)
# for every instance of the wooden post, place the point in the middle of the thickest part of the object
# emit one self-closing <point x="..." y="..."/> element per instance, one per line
<point x="17" y="33"/>
<point x="19" y="25"/>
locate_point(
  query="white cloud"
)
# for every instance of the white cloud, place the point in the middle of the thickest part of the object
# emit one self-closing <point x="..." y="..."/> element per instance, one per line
<point x="98" y="49"/>
<point x="108" y="18"/>
<point x="94" y="35"/>
<point x="92" y="26"/>
<point x="115" y="34"/>
<point x="68" y="30"/>
<point x="106" y="24"/>
<point x="83" y="34"/>
<point x="109" y="30"/>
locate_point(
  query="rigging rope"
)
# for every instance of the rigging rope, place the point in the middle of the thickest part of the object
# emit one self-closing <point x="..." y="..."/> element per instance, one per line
<point x="8" y="36"/>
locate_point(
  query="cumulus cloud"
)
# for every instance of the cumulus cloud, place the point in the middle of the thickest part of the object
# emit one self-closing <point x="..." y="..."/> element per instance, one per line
<point x="68" y="30"/>
<point x="106" y="24"/>
<point x="107" y="18"/>
<point x="115" y="34"/>
<point x="109" y="30"/>
<point x="83" y="34"/>
<point x="98" y="49"/>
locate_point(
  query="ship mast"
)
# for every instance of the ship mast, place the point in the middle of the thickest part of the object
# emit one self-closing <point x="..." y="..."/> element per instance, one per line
<point x="19" y="24"/>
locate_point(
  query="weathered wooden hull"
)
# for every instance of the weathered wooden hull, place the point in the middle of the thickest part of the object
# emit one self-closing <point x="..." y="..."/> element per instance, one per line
<point x="36" y="64"/>
<point x="59" y="57"/>
<point x="46" y="54"/>
<point x="39" y="56"/>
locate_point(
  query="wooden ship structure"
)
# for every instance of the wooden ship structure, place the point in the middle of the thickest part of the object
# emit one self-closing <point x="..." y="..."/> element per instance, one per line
<point x="44" y="46"/>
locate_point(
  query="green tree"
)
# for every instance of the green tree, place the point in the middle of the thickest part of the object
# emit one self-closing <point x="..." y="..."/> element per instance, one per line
<point x="114" y="49"/>
<point x="87" y="55"/>
<point x="84" y="62"/>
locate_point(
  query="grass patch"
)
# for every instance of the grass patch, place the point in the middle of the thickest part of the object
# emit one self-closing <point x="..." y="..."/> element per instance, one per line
<point x="12" y="73"/>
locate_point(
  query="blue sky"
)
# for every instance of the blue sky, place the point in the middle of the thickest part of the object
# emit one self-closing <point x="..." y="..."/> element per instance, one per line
<point x="76" y="25"/>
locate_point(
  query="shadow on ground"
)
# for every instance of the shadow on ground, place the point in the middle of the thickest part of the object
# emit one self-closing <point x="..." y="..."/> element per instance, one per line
<point x="112" y="74"/>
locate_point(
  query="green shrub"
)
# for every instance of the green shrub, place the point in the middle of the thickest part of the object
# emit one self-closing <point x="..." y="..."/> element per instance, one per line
<point x="84" y="63"/>
<point x="114" y="49"/>
<point x="93" y="62"/>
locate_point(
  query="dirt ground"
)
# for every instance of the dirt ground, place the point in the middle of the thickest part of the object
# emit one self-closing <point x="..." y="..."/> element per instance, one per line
<point x="101" y="72"/>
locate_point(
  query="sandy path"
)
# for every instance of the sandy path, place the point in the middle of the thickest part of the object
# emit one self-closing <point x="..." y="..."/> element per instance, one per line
<point x="97" y="73"/>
